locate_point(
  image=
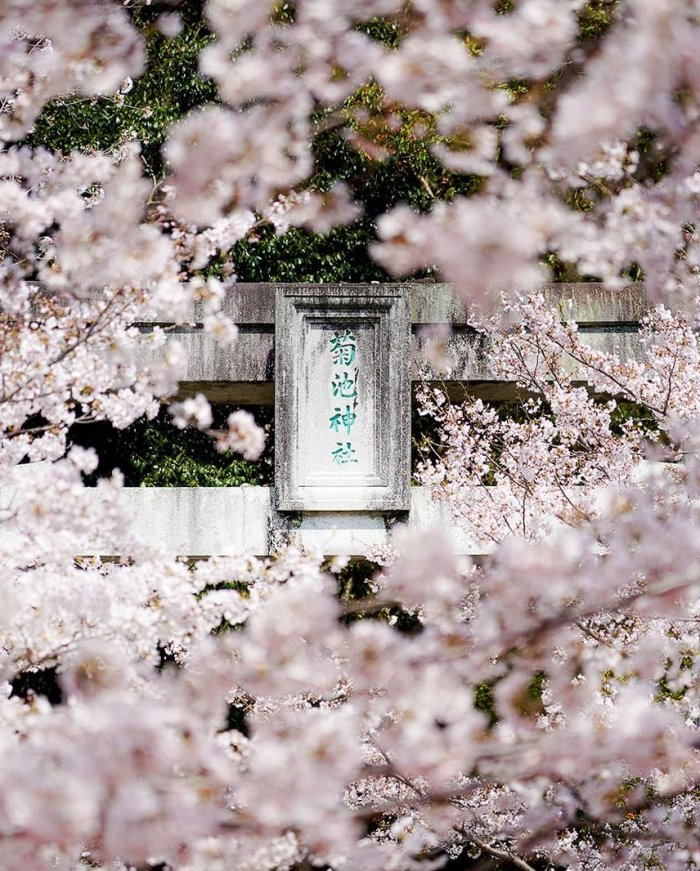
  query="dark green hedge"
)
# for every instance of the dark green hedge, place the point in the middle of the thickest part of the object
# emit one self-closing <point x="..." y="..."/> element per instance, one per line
<point x="157" y="454"/>
<point x="171" y="86"/>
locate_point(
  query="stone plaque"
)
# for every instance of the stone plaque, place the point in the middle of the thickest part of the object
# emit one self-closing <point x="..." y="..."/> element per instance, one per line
<point x="342" y="398"/>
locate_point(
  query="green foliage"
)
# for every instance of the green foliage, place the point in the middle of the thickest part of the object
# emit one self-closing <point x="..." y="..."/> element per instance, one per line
<point x="169" y="457"/>
<point x="285" y="13"/>
<point x="355" y="580"/>
<point x="633" y="414"/>
<point x="664" y="692"/>
<point x="356" y="591"/>
<point x="171" y="86"/>
<point x="654" y="162"/>
<point x="561" y="270"/>
<point x="529" y="704"/>
<point x="382" y="167"/>
<point x="168" y="89"/>
<point x="484" y="702"/>
<point x="236" y="719"/>
<point x="384" y="30"/>
<point x="299" y="256"/>
<point x="596" y="18"/>
<point x="380" y="150"/>
<point x="157" y="454"/>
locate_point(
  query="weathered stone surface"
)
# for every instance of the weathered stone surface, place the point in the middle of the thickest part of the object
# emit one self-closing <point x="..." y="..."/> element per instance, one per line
<point x="197" y="521"/>
<point x="224" y="521"/>
<point x="244" y="373"/>
<point x="178" y="521"/>
<point x="434" y="302"/>
<point x="591" y="303"/>
<point x="586" y="303"/>
<point x="342" y="403"/>
<point x="249" y="358"/>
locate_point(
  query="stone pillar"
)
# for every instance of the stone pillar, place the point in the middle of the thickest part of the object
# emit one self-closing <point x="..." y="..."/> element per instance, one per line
<point x="342" y="398"/>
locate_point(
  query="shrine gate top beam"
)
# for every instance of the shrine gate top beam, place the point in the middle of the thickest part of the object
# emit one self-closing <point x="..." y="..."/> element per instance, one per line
<point x="244" y="373"/>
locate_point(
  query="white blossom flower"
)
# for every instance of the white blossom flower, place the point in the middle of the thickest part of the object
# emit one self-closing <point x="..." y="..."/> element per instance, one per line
<point x="243" y="435"/>
<point x="193" y="411"/>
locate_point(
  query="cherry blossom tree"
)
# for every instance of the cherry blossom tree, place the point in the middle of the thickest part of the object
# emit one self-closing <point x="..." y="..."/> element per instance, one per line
<point x="536" y="710"/>
<point x="551" y="465"/>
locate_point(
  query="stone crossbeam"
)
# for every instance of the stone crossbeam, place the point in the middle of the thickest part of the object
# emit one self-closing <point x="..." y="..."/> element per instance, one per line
<point x="224" y="521"/>
<point x="609" y="320"/>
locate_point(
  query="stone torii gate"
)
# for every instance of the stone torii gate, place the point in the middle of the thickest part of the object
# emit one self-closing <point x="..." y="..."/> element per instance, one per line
<point x="338" y="362"/>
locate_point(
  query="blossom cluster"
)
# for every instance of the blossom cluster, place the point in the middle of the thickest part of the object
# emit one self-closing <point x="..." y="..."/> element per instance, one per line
<point x="522" y="697"/>
<point x="277" y="72"/>
<point x="595" y="419"/>
<point x="540" y="708"/>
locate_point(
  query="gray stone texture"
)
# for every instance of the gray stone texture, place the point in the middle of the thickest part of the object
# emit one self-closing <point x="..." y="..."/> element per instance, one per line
<point x="244" y="373"/>
<point x="342" y="417"/>
<point x="226" y="521"/>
